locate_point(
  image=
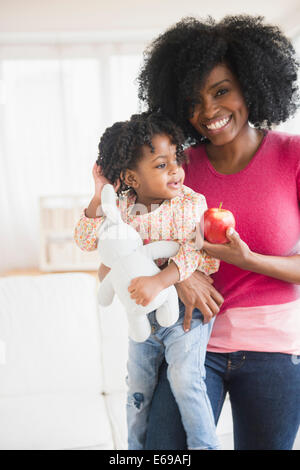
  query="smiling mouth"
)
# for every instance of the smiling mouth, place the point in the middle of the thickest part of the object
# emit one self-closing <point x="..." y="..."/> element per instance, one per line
<point x="174" y="183"/>
<point x="219" y="124"/>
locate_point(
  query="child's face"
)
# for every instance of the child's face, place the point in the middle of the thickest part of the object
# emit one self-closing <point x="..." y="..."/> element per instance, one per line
<point x="158" y="175"/>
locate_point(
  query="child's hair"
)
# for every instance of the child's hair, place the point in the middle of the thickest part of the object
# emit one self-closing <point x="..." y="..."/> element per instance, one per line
<point x="120" y="145"/>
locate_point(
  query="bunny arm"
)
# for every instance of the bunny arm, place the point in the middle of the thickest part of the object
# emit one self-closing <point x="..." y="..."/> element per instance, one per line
<point x="161" y="249"/>
<point x="139" y="328"/>
<point x="167" y="314"/>
<point x="109" y="204"/>
<point x="106" y="291"/>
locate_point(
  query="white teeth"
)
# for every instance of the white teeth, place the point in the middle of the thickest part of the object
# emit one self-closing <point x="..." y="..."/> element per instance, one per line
<point x="218" y="124"/>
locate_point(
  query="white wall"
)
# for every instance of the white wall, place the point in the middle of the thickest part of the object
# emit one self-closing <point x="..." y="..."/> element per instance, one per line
<point x="113" y="15"/>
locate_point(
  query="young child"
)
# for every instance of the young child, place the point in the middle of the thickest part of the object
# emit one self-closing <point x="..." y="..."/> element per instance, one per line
<point x="142" y="157"/>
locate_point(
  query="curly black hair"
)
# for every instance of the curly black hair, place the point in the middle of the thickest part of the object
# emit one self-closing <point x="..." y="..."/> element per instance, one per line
<point x="120" y="145"/>
<point x="260" y="56"/>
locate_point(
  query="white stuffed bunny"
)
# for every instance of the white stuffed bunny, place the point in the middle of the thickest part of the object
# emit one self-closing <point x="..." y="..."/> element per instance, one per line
<point x="121" y="249"/>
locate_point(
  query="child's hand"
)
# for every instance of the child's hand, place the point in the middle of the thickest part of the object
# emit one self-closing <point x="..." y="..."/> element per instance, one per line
<point x="143" y="289"/>
<point x="100" y="180"/>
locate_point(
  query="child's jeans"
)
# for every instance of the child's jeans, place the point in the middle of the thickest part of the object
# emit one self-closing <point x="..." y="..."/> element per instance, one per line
<point x="185" y="356"/>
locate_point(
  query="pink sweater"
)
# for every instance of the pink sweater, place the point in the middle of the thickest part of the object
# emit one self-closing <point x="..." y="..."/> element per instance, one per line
<point x="264" y="198"/>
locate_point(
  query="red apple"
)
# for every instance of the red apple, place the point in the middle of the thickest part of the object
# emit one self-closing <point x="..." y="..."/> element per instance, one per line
<point x="216" y="222"/>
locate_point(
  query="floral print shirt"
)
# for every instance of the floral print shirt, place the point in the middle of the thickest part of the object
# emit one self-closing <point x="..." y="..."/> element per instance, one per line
<point x="174" y="219"/>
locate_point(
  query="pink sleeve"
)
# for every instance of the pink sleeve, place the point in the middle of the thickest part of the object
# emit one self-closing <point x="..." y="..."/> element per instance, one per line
<point x="86" y="229"/>
<point x="207" y="264"/>
<point x="188" y="258"/>
<point x="298" y="182"/>
<point x="85" y="233"/>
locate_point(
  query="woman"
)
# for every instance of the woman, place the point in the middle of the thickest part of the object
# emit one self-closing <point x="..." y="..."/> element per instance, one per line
<point x="226" y="84"/>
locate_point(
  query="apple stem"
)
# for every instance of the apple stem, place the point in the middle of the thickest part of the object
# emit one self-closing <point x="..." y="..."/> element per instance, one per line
<point x="220" y="206"/>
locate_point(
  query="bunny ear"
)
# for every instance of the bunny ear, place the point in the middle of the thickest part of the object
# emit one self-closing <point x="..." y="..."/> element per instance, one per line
<point x="108" y="203"/>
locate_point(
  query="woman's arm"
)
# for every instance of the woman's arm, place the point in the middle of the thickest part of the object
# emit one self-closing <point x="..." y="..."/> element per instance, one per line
<point x="237" y="252"/>
<point x="284" y="268"/>
<point x="198" y="292"/>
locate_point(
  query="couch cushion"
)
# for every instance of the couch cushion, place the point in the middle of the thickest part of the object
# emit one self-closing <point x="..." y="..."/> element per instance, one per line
<point x="114" y="332"/>
<point x="52" y="421"/>
<point x="116" y="406"/>
<point x="50" y="373"/>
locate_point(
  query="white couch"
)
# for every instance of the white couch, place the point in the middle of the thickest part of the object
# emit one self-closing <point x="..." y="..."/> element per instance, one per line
<point x="61" y="381"/>
<point x="63" y="366"/>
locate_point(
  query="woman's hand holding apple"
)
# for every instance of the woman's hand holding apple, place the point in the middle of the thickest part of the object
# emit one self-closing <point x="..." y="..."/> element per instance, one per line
<point x="235" y="251"/>
<point x="221" y="240"/>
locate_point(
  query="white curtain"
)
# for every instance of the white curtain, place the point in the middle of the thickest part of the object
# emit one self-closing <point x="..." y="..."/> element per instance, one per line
<point x="293" y="125"/>
<point x="55" y="102"/>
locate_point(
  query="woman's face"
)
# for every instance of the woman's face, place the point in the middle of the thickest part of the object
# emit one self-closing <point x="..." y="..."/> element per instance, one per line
<point x="220" y="112"/>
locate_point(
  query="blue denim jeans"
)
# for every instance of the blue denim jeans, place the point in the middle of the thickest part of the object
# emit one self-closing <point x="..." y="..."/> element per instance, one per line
<point x="264" y="390"/>
<point x="185" y="356"/>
